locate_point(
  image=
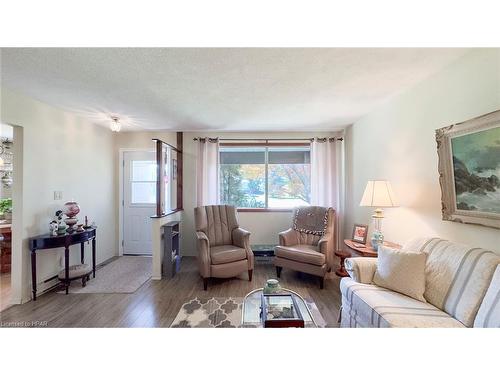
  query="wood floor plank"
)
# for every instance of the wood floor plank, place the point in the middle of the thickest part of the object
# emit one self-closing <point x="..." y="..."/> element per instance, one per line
<point x="156" y="303"/>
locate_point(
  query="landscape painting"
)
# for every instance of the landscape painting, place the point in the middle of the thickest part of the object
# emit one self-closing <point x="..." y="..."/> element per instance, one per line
<point x="476" y="165"/>
<point x="469" y="170"/>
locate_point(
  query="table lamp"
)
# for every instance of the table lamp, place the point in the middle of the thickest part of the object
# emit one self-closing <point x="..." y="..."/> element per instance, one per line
<point x="378" y="194"/>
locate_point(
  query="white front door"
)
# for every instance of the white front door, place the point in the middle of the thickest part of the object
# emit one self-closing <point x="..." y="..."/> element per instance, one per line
<point x="139" y="201"/>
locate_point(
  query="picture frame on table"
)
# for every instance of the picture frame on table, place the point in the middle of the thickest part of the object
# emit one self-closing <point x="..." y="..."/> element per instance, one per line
<point x="360" y="233"/>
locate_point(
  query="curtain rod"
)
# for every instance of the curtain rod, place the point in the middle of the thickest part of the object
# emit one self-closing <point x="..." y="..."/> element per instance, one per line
<point x="273" y="139"/>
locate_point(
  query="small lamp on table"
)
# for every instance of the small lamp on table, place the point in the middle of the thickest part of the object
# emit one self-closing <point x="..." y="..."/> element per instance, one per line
<point x="378" y="194"/>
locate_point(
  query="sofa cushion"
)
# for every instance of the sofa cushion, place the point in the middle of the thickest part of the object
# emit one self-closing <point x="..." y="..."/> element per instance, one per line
<point x="401" y="271"/>
<point x="457" y="276"/>
<point x="227" y="254"/>
<point x="301" y="253"/>
<point x="366" y="305"/>
<point x="488" y="315"/>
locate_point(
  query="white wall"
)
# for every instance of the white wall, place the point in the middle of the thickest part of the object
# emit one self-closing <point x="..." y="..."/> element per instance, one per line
<point x="397" y="143"/>
<point x="264" y="226"/>
<point x="60" y="152"/>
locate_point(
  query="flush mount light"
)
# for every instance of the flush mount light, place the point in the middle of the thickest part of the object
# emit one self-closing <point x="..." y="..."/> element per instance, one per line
<point x="115" y="124"/>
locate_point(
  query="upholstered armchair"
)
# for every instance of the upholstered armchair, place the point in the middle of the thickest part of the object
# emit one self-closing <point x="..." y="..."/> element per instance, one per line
<point x="309" y="245"/>
<point x="223" y="247"/>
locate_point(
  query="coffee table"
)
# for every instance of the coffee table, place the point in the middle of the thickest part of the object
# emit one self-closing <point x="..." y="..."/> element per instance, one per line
<point x="250" y="316"/>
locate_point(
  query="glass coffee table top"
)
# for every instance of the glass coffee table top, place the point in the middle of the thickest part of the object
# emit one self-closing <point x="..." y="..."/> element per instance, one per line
<point x="252" y="306"/>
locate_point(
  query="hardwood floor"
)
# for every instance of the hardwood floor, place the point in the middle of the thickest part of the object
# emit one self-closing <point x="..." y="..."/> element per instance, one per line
<point x="157" y="303"/>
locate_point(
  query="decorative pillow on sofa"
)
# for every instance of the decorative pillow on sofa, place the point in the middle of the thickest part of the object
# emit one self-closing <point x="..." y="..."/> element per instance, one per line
<point x="401" y="271"/>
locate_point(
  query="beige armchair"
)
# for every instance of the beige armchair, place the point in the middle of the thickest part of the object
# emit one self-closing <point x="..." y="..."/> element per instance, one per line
<point x="223" y="247"/>
<point x="310" y="251"/>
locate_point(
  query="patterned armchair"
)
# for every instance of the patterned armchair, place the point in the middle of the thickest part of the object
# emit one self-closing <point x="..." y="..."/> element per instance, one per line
<point x="223" y="247"/>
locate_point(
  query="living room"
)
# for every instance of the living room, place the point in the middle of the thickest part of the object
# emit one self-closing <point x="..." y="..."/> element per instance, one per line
<point x="248" y="185"/>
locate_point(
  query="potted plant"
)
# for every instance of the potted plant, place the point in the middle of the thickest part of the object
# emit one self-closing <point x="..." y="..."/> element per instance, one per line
<point x="6" y="208"/>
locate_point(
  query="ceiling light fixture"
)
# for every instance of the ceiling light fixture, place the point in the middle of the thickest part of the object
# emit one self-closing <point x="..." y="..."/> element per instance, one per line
<point x="115" y="125"/>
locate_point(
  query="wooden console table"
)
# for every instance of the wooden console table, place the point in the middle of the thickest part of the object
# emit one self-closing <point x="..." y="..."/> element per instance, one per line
<point x="351" y="249"/>
<point x="64" y="240"/>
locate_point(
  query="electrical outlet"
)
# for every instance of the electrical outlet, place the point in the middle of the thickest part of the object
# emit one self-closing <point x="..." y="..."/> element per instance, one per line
<point x="57" y="195"/>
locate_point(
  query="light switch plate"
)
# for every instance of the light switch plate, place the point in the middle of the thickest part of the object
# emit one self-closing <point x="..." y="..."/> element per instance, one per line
<point x="57" y="195"/>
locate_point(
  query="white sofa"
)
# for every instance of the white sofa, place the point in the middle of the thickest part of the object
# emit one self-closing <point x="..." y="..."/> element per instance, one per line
<point x="462" y="290"/>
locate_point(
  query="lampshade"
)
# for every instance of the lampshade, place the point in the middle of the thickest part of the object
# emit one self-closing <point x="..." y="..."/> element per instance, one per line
<point x="378" y="194"/>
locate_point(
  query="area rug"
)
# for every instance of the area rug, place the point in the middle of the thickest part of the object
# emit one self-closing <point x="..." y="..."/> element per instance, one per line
<point x="221" y="312"/>
<point x="126" y="274"/>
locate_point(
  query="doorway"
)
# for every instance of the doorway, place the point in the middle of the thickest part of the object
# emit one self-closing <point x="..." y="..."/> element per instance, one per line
<point x="138" y="201"/>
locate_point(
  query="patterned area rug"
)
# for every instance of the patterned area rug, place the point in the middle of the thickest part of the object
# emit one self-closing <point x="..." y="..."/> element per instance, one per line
<point x="221" y="312"/>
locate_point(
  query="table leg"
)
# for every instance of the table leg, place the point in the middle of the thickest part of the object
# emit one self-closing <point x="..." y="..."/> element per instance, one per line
<point x="66" y="268"/>
<point x="341" y="271"/>
<point x="93" y="257"/>
<point x="33" y="273"/>
<point x="82" y="252"/>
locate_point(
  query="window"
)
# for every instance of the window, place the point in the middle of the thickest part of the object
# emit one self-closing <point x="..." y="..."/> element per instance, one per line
<point x="143" y="182"/>
<point x="265" y="177"/>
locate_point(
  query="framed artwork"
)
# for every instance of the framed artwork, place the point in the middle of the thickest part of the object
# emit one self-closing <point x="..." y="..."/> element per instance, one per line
<point x="359" y="233"/>
<point x="469" y="170"/>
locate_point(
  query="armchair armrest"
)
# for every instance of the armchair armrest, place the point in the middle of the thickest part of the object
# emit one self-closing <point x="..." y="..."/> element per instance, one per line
<point x="203" y="245"/>
<point x="288" y="238"/>
<point x="241" y="238"/>
<point x="323" y="244"/>
<point x="201" y="236"/>
<point x="360" y="269"/>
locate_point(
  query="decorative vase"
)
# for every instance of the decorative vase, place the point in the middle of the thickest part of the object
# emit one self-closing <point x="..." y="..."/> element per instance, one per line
<point x="61" y="228"/>
<point x="272" y="287"/>
<point x="377" y="240"/>
<point x="71" y="209"/>
<point x="70" y="222"/>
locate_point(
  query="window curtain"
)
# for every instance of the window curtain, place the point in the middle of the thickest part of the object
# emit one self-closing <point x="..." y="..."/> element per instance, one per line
<point x="327" y="179"/>
<point x="207" y="172"/>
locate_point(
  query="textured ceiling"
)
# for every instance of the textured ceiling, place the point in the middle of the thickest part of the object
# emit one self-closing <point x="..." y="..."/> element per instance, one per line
<point x="220" y="89"/>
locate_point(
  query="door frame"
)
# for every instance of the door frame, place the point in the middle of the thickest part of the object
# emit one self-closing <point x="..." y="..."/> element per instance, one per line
<point x="121" y="167"/>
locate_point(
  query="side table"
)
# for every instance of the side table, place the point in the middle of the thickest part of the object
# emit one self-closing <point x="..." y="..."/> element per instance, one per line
<point x="40" y="243"/>
<point x="352" y="249"/>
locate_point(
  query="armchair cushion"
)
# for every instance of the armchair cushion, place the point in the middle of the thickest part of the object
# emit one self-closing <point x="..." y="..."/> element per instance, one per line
<point x="360" y="269"/>
<point x="301" y="253"/>
<point x="227" y="254"/>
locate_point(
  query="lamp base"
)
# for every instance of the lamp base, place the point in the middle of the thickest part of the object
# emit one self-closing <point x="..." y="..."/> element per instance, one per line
<point x="377" y="239"/>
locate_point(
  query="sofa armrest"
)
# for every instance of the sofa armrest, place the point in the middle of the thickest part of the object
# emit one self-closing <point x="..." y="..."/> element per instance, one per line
<point x="203" y="246"/>
<point x="360" y="269"/>
<point x="288" y="238"/>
